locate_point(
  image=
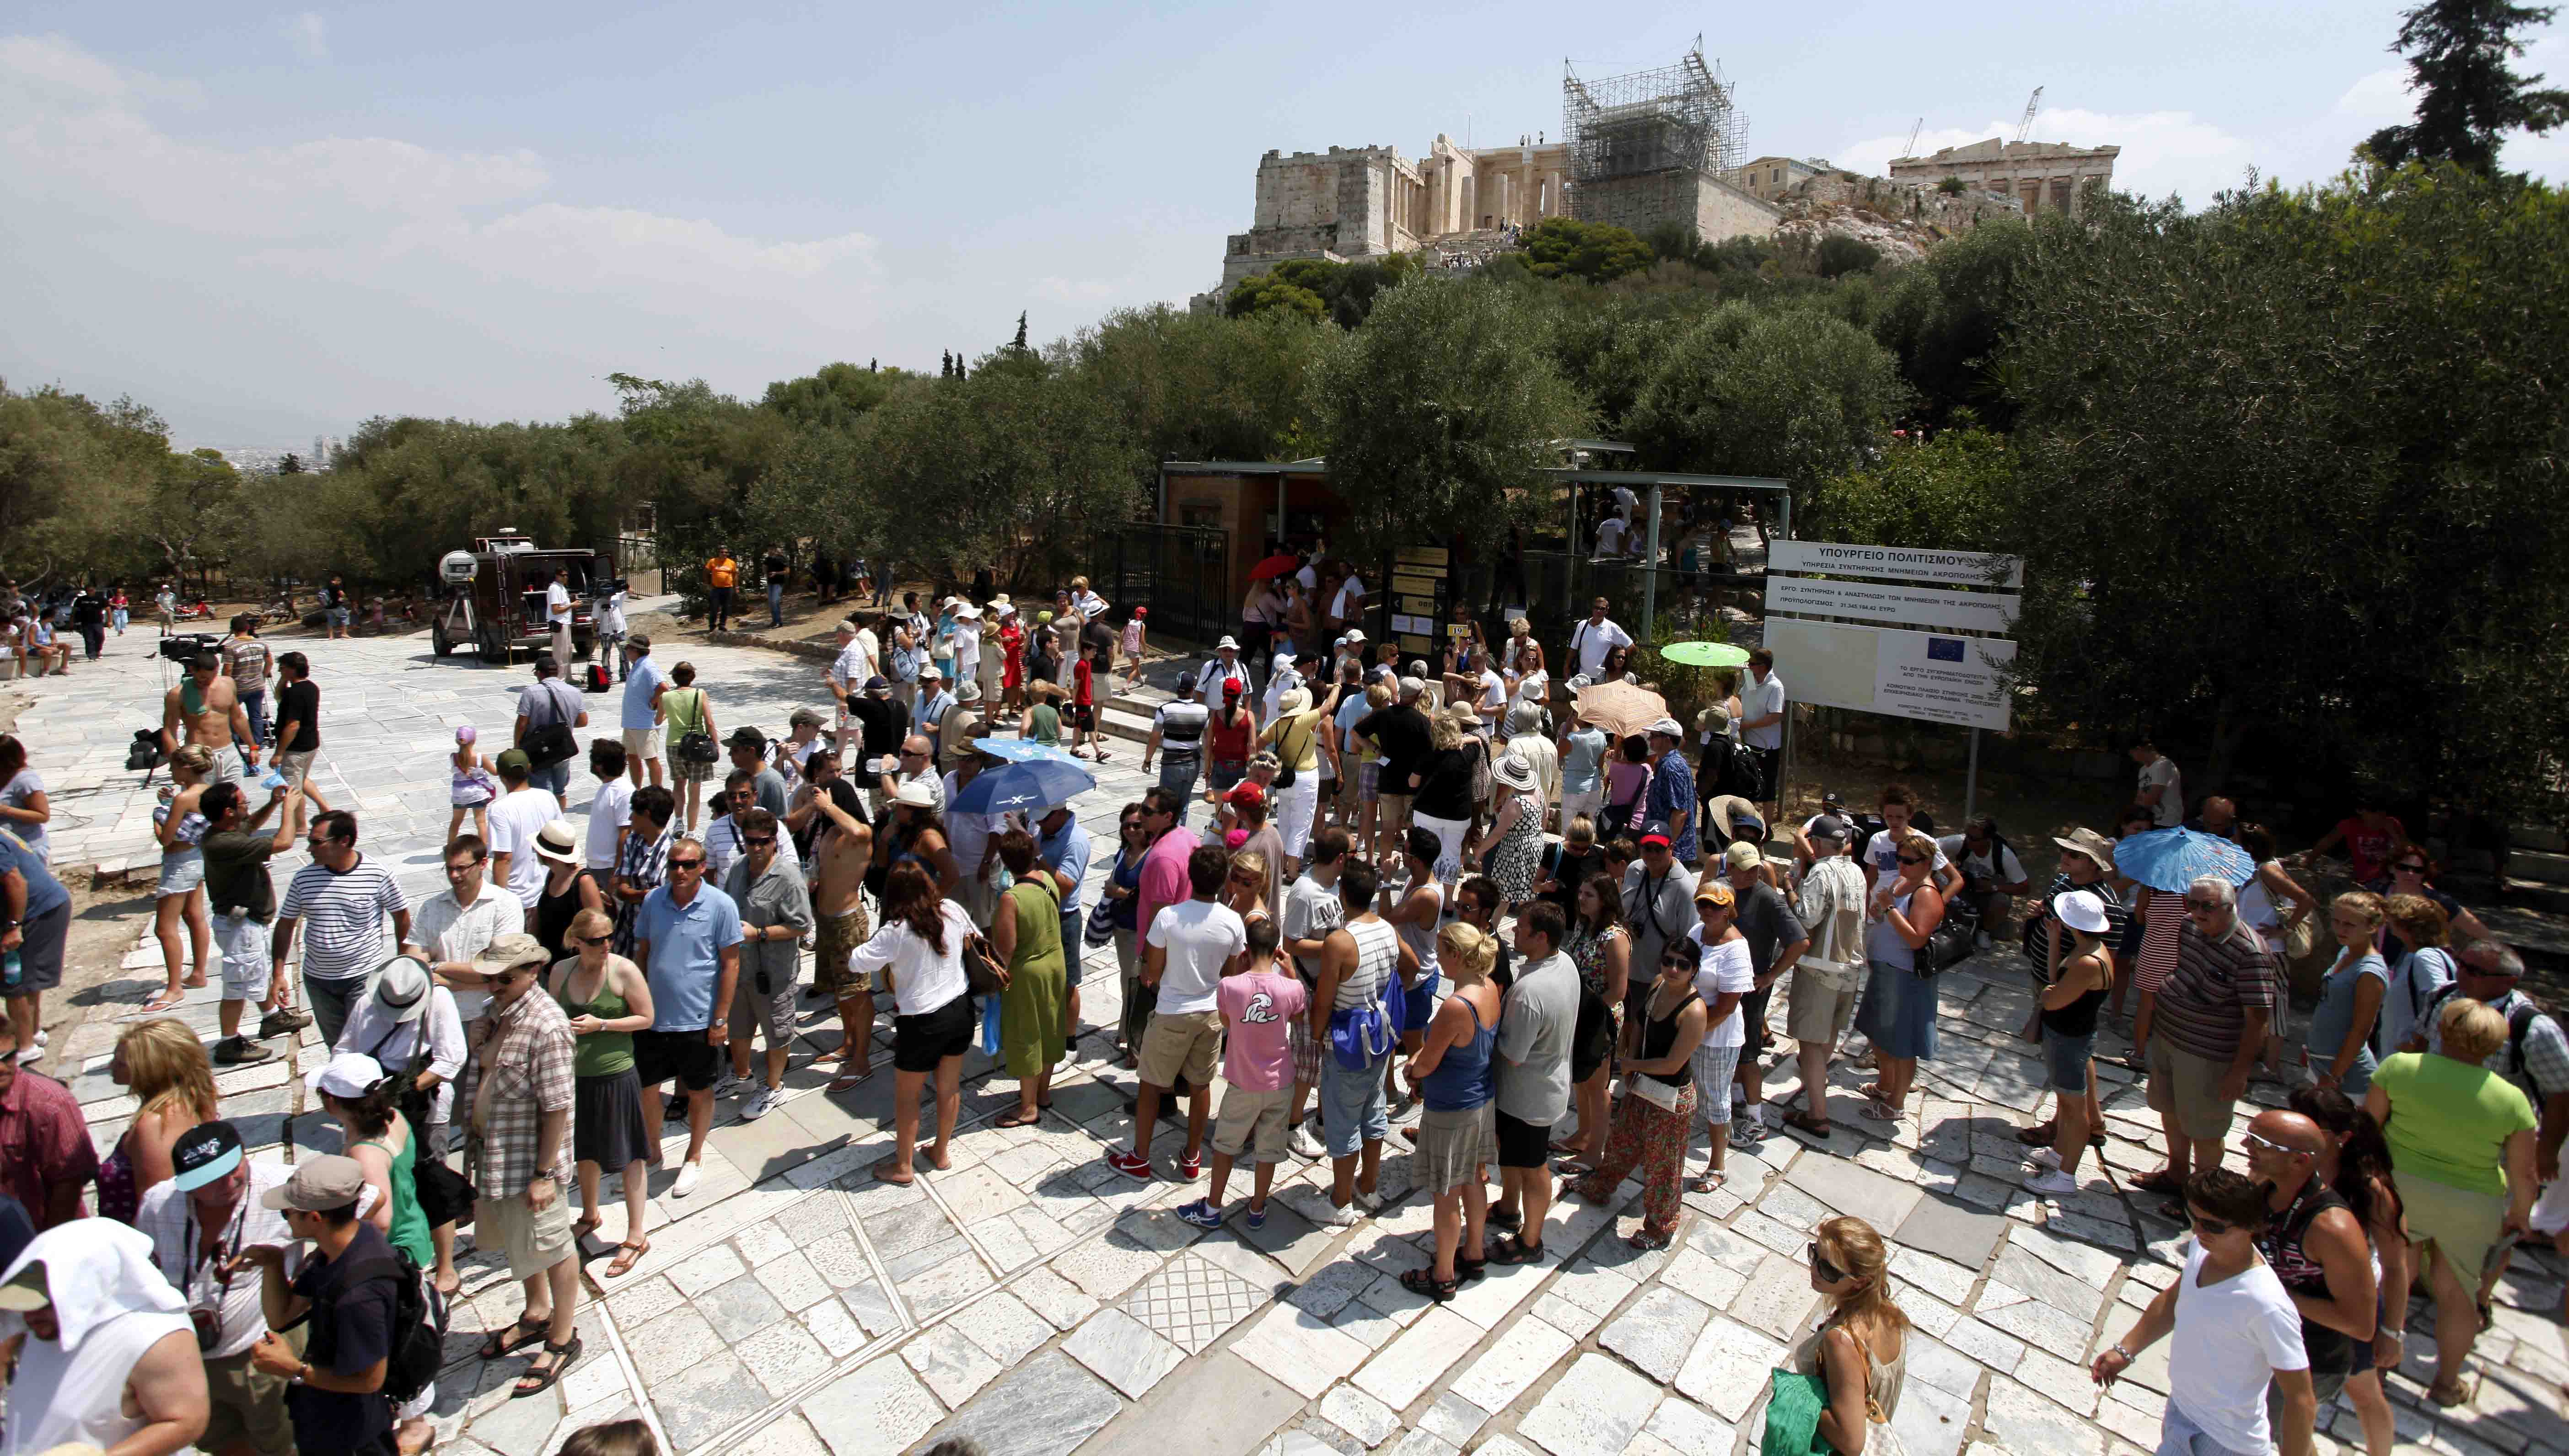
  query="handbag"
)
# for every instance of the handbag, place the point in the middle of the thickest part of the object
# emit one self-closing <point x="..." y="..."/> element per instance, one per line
<point x="445" y="1195"/>
<point x="1100" y="930"/>
<point x="1653" y="1091"/>
<point x="982" y="974"/>
<point x="1793" y="1415"/>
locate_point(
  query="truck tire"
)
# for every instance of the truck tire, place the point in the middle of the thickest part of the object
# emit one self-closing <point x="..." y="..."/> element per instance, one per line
<point x="437" y="641"/>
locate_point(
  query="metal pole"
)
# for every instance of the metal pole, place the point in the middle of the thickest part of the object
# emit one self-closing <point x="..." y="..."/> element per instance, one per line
<point x="1971" y="778"/>
<point x="1651" y="570"/>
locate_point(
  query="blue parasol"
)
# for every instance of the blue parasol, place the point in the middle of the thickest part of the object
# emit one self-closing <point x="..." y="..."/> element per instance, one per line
<point x="2172" y="859"/>
<point x="1031" y="776"/>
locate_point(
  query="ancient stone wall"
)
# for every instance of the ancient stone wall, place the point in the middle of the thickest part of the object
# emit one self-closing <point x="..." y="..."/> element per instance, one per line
<point x="1717" y="209"/>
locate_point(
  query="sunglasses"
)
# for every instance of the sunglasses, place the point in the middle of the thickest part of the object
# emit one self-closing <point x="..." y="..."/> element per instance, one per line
<point x="1828" y="1272"/>
<point x="2271" y="1146"/>
<point x="2202" y="907"/>
<point x="1913" y="859"/>
<point x="758" y="839"/>
<point x="2209" y="1228"/>
<point x="2410" y="868"/>
<point x="594" y="939"/>
<point x="686" y="863"/>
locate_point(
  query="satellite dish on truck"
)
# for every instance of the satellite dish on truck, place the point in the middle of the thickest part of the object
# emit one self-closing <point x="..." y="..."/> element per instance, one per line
<point x="456" y="568"/>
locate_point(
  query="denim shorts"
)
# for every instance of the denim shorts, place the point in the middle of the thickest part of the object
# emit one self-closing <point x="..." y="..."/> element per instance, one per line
<point x="2065" y="1061"/>
<point x="1351" y="1106"/>
<point x="552" y="778"/>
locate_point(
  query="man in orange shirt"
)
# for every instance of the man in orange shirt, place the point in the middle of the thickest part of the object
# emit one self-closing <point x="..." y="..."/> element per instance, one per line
<point x="721" y="574"/>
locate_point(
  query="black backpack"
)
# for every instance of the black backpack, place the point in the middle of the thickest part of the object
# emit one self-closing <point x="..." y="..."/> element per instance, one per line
<point x="2520" y="1022"/>
<point x="1740" y="772"/>
<point x="419" y="1322"/>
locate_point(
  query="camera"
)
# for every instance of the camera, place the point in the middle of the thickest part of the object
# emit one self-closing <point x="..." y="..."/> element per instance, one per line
<point x="183" y="647"/>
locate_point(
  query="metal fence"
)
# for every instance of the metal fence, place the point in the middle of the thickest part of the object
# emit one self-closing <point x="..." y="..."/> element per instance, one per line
<point x="1181" y="573"/>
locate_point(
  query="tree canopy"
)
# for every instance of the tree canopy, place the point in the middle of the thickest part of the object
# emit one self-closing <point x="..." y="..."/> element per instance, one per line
<point x="2469" y="95"/>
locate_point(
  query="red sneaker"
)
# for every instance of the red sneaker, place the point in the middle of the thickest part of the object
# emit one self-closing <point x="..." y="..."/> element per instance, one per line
<point x="1190" y="1167"/>
<point x="1130" y="1165"/>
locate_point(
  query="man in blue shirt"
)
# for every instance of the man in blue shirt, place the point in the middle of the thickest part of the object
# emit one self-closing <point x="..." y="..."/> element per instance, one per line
<point x="35" y="918"/>
<point x="687" y="941"/>
<point x="935" y="702"/>
<point x="641" y="722"/>
<point x="1063" y="847"/>
<point x="1671" y="800"/>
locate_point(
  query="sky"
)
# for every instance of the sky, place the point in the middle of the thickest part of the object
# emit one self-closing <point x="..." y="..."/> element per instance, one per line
<point x="272" y="225"/>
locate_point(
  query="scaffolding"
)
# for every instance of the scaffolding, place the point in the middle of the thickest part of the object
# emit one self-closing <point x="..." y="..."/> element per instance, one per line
<point x="1676" y="118"/>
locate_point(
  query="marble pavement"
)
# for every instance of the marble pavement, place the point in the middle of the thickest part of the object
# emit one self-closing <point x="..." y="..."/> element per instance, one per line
<point x="1032" y="1299"/>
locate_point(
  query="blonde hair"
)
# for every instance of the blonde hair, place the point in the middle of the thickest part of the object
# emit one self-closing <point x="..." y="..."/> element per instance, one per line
<point x="1467" y="951"/>
<point x="1443" y="733"/>
<point x="166" y="1069"/>
<point x="1251" y="861"/>
<point x="196" y="758"/>
<point x="1581" y="830"/>
<point x="2470" y="1030"/>
<point x="2418" y="918"/>
<point x="2364" y="902"/>
<point x="1852" y="1244"/>
<point x="591" y="922"/>
<point x="1379" y="696"/>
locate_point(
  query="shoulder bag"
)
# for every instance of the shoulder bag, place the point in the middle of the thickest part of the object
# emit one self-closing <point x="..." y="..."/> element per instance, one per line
<point x="549" y="742"/>
<point x="695" y="745"/>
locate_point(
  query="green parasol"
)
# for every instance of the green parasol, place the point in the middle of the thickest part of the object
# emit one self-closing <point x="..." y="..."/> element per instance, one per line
<point x="1705" y="654"/>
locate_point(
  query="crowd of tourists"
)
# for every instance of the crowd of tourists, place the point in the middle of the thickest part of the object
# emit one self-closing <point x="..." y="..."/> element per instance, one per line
<point x="1365" y="885"/>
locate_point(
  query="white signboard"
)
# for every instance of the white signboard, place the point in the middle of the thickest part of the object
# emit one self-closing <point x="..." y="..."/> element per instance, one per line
<point x="1896" y="564"/>
<point x="1915" y="607"/>
<point x="1924" y="675"/>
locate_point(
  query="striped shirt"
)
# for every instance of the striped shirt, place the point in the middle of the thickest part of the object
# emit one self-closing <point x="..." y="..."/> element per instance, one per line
<point x="343" y="917"/>
<point x="2216" y="983"/>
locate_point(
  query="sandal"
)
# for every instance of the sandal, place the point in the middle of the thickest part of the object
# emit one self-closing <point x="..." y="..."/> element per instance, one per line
<point x="1646" y="1238"/>
<point x="1877" y="1110"/>
<point x="1424" y="1281"/>
<point x="1802" y="1121"/>
<point x="543" y="1379"/>
<point x="2161" y="1181"/>
<point x="2449" y="1396"/>
<point x="504" y="1344"/>
<point x="628" y="1255"/>
<point x="1706" y="1181"/>
<point x="583" y="1226"/>
<point x="1515" y="1250"/>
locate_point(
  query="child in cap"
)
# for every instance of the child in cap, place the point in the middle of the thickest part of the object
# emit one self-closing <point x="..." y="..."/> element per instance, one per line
<point x="471" y="787"/>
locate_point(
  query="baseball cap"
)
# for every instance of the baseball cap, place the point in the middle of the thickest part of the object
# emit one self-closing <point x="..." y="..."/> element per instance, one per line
<point x="745" y="736"/>
<point x="1351" y="636"/>
<point x="804" y="716"/>
<point x="1667" y="727"/>
<point x="1412" y="687"/>
<point x="1245" y="793"/>
<point x="348" y="1076"/>
<point x="331" y="1181"/>
<point x="877" y="686"/>
<point x="1656" y="839"/>
<point x="513" y="760"/>
<point x="930" y="673"/>
<point x="205" y="1152"/>
<point x="1830" y="826"/>
<point x="401" y="989"/>
<point x="1744" y="855"/>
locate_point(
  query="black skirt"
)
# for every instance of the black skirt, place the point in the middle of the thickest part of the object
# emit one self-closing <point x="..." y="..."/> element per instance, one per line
<point x="606" y="1121"/>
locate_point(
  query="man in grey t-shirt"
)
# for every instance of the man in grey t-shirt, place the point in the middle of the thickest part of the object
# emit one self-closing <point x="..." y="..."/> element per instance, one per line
<point x="1311" y="911"/>
<point x="1536" y="1021"/>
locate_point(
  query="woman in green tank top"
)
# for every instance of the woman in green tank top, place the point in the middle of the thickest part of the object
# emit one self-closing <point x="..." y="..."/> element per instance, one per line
<point x="686" y="710"/>
<point x="607" y="999"/>
<point x="355" y="1090"/>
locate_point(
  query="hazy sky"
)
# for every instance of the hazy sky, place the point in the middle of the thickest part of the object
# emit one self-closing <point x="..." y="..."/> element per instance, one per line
<point x="275" y="226"/>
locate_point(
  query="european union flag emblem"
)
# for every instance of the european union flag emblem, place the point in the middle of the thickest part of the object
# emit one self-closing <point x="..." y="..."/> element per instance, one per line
<point x="1945" y="649"/>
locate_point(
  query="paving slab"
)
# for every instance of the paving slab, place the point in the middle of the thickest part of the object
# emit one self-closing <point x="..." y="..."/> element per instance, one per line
<point x="1222" y="1406"/>
<point x="1047" y="1406"/>
<point x="1950" y="1230"/>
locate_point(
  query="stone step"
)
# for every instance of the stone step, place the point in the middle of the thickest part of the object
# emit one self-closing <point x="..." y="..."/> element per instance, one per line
<point x="2541" y="865"/>
<point x="2538" y="894"/>
<point x="1120" y="722"/>
<point x="2544" y="837"/>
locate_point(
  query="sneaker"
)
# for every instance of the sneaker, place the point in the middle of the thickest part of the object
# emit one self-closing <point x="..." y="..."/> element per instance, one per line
<point x="1981" y="940"/>
<point x="1345" y="1217"/>
<point x="233" y="1051"/>
<point x="730" y="1084"/>
<point x="689" y="1175"/>
<point x="1130" y="1165"/>
<point x="283" y="1020"/>
<point x="28" y="1057"/>
<point x="1200" y="1214"/>
<point x="1746" y="1132"/>
<point x="760" y="1103"/>
<point x="1256" y="1217"/>
<point x="1189" y="1167"/>
<point x="1306" y="1142"/>
<point x="2052" y="1184"/>
<point x="2043" y="1158"/>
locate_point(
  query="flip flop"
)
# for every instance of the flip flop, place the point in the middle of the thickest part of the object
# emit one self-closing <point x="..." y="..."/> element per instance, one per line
<point x="1017" y="1116"/>
<point x="628" y="1255"/>
<point x="158" y="1004"/>
<point x="847" y="1081"/>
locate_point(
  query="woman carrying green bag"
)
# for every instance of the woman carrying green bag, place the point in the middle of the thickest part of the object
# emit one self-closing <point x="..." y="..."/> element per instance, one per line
<point x="1844" y="1383"/>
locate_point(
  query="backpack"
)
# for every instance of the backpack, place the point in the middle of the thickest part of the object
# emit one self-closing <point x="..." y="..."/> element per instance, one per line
<point x="418" y="1329"/>
<point x="2519" y="1022"/>
<point x="594" y="677"/>
<point x="2406" y="983"/>
<point x="1739" y="773"/>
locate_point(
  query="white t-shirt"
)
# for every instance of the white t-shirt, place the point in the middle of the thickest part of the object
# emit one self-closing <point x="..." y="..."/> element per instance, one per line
<point x="1199" y="937"/>
<point x="516" y="820"/>
<point x="2228" y="1339"/>
<point x="2170" y="809"/>
<point x="1725" y="968"/>
<point x="1626" y="503"/>
<point x="610" y="615"/>
<point x="1756" y="700"/>
<point x="1883" y="856"/>
<point x="1494" y="696"/>
<point x="610" y="811"/>
<point x="1610" y="536"/>
<point x="557" y="604"/>
<point x="967" y="643"/>
<point x="922" y="979"/>
<point x="1213" y="675"/>
<point x="1350" y="599"/>
<point x="1590" y="641"/>
<point x="1311" y="911"/>
<point x="2009" y="870"/>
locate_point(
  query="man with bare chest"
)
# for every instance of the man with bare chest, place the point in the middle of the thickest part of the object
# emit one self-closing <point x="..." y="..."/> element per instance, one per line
<point x="840" y="853"/>
<point x="206" y="708"/>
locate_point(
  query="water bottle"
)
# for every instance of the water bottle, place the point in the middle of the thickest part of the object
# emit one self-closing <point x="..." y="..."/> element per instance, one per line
<point x="11" y="971"/>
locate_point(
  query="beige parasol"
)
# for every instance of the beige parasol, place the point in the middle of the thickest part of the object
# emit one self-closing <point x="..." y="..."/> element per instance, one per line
<point x="1621" y="708"/>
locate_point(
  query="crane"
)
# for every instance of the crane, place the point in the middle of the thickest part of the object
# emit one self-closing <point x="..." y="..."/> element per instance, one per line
<point x="1911" y="149"/>
<point x="2032" y="104"/>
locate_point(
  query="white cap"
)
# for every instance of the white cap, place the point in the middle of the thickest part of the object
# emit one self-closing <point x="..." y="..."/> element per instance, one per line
<point x="347" y="1076"/>
<point x="1352" y="636"/>
<point x="1667" y="726"/>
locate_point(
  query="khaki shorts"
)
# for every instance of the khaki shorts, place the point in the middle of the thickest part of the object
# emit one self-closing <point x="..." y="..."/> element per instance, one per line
<point x="1817" y="1010"/>
<point x="295" y="767"/>
<point x="1183" y="1045"/>
<point x="2189" y="1088"/>
<point x="1266" y="1116"/>
<point x="245" y="1404"/>
<point x="533" y="1241"/>
<point x="1392" y="812"/>
<point x="643" y="744"/>
<point x="772" y="1009"/>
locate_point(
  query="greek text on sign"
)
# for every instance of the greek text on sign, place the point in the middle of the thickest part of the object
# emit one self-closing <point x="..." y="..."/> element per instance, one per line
<point x="1898" y="564"/>
<point x="1937" y="680"/>
<point x="1913" y="606"/>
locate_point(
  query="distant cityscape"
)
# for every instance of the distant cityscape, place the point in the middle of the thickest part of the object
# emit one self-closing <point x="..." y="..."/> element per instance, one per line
<point x="269" y="459"/>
